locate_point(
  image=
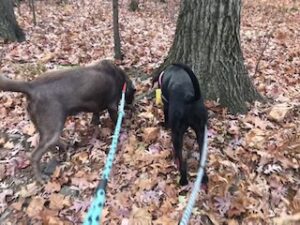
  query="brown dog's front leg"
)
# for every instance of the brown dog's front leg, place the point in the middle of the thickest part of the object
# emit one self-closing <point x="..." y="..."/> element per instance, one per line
<point x="113" y="113"/>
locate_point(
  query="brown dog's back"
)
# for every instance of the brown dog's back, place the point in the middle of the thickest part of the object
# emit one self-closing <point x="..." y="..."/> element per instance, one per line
<point x="56" y="95"/>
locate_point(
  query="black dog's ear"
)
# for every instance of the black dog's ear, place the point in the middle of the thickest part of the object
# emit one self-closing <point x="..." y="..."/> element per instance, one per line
<point x="155" y="79"/>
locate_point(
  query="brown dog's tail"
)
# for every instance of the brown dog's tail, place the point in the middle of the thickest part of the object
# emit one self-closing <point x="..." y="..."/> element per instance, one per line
<point x="7" y="84"/>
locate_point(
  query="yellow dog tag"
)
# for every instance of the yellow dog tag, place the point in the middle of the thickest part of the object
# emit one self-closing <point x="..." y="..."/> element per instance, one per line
<point x="158" y="100"/>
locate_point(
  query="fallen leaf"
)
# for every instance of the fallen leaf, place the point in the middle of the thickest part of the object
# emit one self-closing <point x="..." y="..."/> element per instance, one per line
<point x="29" y="190"/>
<point x="9" y="145"/>
<point x="52" y="186"/>
<point x="278" y="112"/>
<point x="18" y="205"/>
<point x="35" y="207"/>
<point x="29" y="129"/>
<point x="81" y="157"/>
<point x="2" y="172"/>
<point x="287" y="219"/>
<point x="151" y="134"/>
<point x="59" y="201"/>
<point x="140" y="216"/>
<point x="3" y="195"/>
<point x="255" y="138"/>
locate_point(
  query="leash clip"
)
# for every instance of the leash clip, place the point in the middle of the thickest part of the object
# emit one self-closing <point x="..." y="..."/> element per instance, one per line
<point x="124" y="88"/>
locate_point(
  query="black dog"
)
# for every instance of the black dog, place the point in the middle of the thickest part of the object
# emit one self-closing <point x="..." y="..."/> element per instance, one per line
<point x="56" y="95"/>
<point x="183" y="108"/>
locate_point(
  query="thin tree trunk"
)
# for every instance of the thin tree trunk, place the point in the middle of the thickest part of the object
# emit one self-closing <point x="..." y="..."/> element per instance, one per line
<point x="117" y="40"/>
<point x="9" y="28"/>
<point x="32" y="7"/>
<point x="208" y="39"/>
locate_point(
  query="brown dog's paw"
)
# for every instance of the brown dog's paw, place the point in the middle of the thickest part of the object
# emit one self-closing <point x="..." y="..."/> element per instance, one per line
<point x="41" y="178"/>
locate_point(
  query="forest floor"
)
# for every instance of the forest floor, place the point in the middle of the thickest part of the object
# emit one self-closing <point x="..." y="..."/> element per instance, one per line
<point x="254" y="159"/>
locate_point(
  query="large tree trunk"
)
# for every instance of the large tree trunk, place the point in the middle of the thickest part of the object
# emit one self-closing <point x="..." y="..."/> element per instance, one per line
<point x="207" y="38"/>
<point x="117" y="41"/>
<point x="9" y="29"/>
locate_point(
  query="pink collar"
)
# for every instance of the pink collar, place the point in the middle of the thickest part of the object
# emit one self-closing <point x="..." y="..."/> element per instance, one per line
<point x="160" y="78"/>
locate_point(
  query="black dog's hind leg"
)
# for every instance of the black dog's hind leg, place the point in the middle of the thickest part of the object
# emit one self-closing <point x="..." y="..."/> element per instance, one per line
<point x="95" y="119"/>
<point x="177" y="139"/>
<point x="166" y="115"/>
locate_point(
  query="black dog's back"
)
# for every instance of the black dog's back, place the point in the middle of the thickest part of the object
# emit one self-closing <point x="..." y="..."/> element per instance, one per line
<point x="183" y="108"/>
<point x="193" y="78"/>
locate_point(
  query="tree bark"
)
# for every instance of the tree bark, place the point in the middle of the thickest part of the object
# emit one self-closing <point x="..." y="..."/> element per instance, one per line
<point x="32" y="7"/>
<point x="117" y="40"/>
<point x="207" y="38"/>
<point x="9" y="28"/>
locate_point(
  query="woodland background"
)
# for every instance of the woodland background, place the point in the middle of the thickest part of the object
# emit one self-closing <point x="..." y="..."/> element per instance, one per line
<point x="253" y="161"/>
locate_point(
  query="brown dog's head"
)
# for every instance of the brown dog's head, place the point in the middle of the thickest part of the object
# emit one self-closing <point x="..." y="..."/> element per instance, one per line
<point x="111" y="68"/>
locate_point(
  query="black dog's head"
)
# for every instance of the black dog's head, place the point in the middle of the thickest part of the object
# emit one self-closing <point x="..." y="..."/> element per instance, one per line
<point x="130" y="91"/>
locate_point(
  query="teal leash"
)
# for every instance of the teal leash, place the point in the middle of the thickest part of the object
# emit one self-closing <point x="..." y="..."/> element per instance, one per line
<point x="94" y="214"/>
<point x="190" y="205"/>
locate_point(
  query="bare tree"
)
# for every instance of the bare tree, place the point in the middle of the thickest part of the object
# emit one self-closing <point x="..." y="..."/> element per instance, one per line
<point x="9" y="28"/>
<point x="207" y="38"/>
<point x="117" y="40"/>
<point x="32" y="7"/>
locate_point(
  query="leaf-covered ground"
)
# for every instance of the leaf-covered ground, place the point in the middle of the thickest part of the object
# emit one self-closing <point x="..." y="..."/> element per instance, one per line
<point x="254" y="159"/>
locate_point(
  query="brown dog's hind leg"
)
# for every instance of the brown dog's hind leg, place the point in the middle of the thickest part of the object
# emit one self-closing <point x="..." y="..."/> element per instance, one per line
<point x="49" y="121"/>
<point x="46" y="142"/>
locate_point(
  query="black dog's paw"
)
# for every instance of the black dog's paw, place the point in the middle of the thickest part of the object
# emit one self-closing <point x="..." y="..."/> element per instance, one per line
<point x="163" y="124"/>
<point x="183" y="181"/>
<point x="95" y="121"/>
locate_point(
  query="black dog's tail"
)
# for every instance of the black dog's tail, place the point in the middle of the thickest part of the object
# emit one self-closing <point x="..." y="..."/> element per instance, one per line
<point x="7" y="84"/>
<point x="194" y="79"/>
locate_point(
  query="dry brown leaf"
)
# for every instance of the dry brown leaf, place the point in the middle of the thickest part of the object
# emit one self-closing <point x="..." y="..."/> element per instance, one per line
<point x="2" y="172"/>
<point x="52" y="186"/>
<point x="2" y="139"/>
<point x="146" y="115"/>
<point x="233" y="222"/>
<point x="278" y="112"/>
<point x="9" y="145"/>
<point x="18" y="205"/>
<point x="35" y="207"/>
<point x="30" y="190"/>
<point x="255" y="138"/>
<point x="145" y="184"/>
<point x="47" y="57"/>
<point x="164" y="220"/>
<point x="52" y="220"/>
<point x="287" y="219"/>
<point x="59" y="201"/>
<point x="151" y="134"/>
<point x="140" y="216"/>
<point x="81" y="157"/>
<point x="29" y="129"/>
